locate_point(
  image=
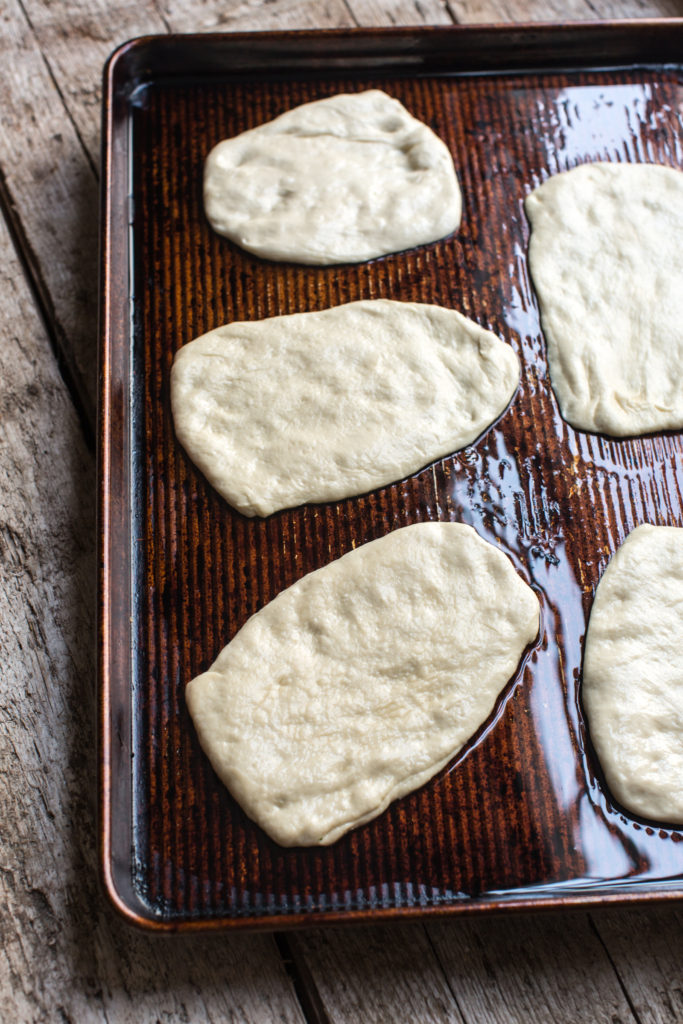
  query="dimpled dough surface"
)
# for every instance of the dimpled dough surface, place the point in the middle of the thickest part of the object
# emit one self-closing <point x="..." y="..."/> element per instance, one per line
<point x="363" y="679"/>
<point x="607" y="264"/>
<point x="339" y="180"/>
<point x="633" y="673"/>
<point x="320" y="406"/>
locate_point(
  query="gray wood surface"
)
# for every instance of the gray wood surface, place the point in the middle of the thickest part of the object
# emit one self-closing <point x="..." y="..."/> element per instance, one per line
<point x="64" y="956"/>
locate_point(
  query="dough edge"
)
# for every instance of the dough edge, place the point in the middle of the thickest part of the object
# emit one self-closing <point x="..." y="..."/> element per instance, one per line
<point x="265" y="504"/>
<point x="600" y="683"/>
<point x="402" y="786"/>
<point x="593" y="412"/>
<point x="447" y="223"/>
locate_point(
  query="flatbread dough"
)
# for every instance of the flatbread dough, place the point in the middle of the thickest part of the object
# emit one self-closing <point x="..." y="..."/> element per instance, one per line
<point x="320" y="406"/>
<point x="633" y="673"/>
<point x="607" y="263"/>
<point x="339" y="180"/>
<point x="363" y="679"/>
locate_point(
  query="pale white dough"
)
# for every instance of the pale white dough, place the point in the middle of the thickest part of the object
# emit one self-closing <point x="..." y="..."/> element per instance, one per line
<point x="633" y="673"/>
<point x="363" y="679"/>
<point x="320" y="406"/>
<point x="339" y="180"/>
<point x="607" y="263"/>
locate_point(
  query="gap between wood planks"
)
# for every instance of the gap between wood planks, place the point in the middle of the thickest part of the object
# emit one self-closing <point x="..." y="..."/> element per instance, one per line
<point x="41" y="297"/>
<point x="304" y="984"/>
<point x="602" y="942"/>
<point x="53" y="79"/>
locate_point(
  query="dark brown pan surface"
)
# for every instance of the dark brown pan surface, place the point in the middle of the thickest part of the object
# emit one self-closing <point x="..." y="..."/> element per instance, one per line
<point x="524" y="818"/>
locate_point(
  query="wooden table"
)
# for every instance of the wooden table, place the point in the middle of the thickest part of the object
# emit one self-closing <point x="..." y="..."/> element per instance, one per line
<point x="65" y="956"/>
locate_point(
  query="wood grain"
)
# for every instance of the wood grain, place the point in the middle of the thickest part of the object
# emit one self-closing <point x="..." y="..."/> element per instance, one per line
<point x="471" y="12"/>
<point x="647" y="952"/>
<point x="400" y="12"/>
<point x="357" y="968"/>
<point x="50" y="191"/>
<point x="254" y="15"/>
<point x="73" y="39"/>
<point x="547" y="968"/>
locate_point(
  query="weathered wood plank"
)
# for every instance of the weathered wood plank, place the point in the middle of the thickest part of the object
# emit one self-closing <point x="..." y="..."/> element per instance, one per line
<point x="470" y="12"/>
<point x="535" y="967"/>
<point x="400" y="12"/>
<point x="51" y="191"/>
<point x="646" y="947"/>
<point x="379" y="974"/>
<point x="63" y="956"/>
<point x="73" y="39"/>
<point x="553" y="967"/>
<point x="254" y="15"/>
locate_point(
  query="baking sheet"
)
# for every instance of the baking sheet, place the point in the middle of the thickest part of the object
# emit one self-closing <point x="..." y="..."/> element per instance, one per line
<point x="521" y="818"/>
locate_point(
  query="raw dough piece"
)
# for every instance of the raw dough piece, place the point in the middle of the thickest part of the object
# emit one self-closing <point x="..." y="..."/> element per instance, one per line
<point x="363" y="679"/>
<point x="607" y="263"/>
<point x="320" y="406"/>
<point x="339" y="180"/>
<point x="633" y="673"/>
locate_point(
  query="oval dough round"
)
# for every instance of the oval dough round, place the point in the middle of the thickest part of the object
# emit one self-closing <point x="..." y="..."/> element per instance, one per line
<point x="363" y="679"/>
<point x="633" y="673"/>
<point x="606" y="260"/>
<point x="339" y="180"/>
<point x="321" y="406"/>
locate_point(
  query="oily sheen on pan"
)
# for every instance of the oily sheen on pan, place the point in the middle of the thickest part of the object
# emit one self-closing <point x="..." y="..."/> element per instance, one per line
<point x="338" y="180"/>
<point x="363" y="679"/>
<point x="326" y="405"/>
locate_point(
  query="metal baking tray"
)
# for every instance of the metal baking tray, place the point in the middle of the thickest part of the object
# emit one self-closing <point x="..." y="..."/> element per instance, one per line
<point x="521" y="819"/>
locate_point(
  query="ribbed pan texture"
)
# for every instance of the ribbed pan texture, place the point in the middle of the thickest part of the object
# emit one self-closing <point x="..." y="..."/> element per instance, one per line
<point x="525" y="811"/>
